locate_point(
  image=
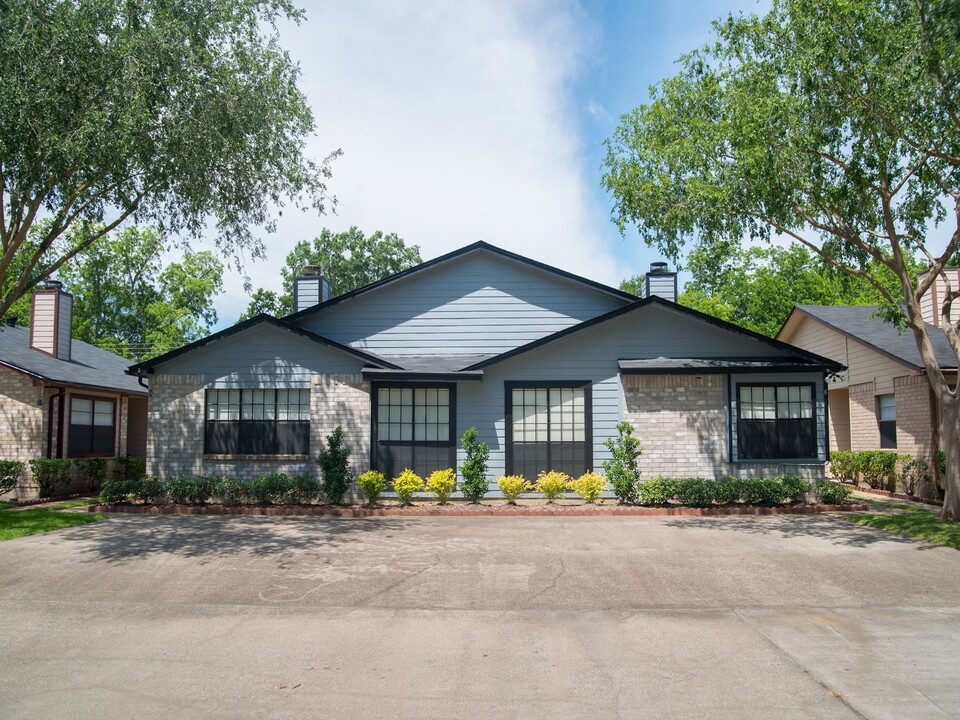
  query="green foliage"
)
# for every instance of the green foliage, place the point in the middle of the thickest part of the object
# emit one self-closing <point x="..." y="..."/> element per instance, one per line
<point x="879" y="468"/>
<point x="167" y="115"/>
<point x="657" y="491"/>
<point x="349" y="260"/>
<point x="95" y="471"/>
<point x="270" y="488"/>
<point x="10" y="473"/>
<point x="589" y="486"/>
<point x="794" y="488"/>
<point x="729" y="490"/>
<point x="303" y="489"/>
<point x="831" y="493"/>
<point x="232" y="491"/>
<point x="695" y="492"/>
<point x="371" y="484"/>
<point x="441" y="483"/>
<point x="552" y="484"/>
<point x="50" y="474"/>
<point x="406" y="484"/>
<point x="116" y="491"/>
<point x="623" y="466"/>
<point x="914" y="473"/>
<point x="764" y="491"/>
<point x="133" y="466"/>
<point x="921" y="525"/>
<point x="513" y="486"/>
<point x="334" y="462"/>
<point x="844" y="465"/>
<point x="184" y="490"/>
<point x="146" y="489"/>
<point x="473" y="472"/>
<point x="38" y="520"/>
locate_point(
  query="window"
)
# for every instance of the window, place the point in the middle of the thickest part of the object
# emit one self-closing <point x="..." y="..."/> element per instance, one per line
<point x="413" y="428"/>
<point x="776" y="421"/>
<point x="887" y="415"/>
<point x="257" y="422"/>
<point x="91" y="426"/>
<point x="548" y="428"/>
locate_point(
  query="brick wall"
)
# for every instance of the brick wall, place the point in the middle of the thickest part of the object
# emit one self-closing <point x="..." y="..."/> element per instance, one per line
<point x="175" y="425"/>
<point x="864" y="430"/>
<point x="914" y="421"/>
<point x="23" y="424"/>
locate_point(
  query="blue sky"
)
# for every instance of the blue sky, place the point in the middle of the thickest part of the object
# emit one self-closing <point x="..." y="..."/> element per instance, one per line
<point x="479" y="120"/>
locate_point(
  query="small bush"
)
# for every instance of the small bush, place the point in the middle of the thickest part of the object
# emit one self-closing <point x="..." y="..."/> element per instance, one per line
<point x="115" y="491"/>
<point x="442" y="483"/>
<point x="146" y="489"/>
<point x="133" y="467"/>
<point x="589" y="486"/>
<point x="270" y="488"/>
<point x="184" y="490"/>
<point x="303" y="489"/>
<point x="844" y="465"/>
<point x="942" y="461"/>
<point x="729" y="490"/>
<point x="406" y="484"/>
<point x="879" y="468"/>
<point x="552" y="484"/>
<point x="623" y="467"/>
<point x="473" y="472"/>
<point x="512" y="487"/>
<point x="334" y="462"/>
<point x="657" y="491"/>
<point x="695" y="492"/>
<point x="50" y="474"/>
<point x="10" y="473"/>
<point x="232" y="491"/>
<point x="95" y="471"/>
<point x="794" y="487"/>
<point x="833" y="494"/>
<point x="914" y="472"/>
<point x="764" y="491"/>
<point x="371" y="484"/>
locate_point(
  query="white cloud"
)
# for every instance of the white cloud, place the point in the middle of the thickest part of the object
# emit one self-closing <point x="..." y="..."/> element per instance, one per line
<point x="457" y="122"/>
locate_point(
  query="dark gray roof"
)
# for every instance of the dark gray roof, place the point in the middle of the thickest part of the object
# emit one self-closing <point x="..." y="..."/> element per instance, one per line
<point x="89" y="366"/>
<point x="712" y="365"/>
<point x="856" y="321"/>
<point x="435" y="363"/>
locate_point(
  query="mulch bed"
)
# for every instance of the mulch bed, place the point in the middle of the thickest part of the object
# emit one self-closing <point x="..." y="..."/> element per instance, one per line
<point x="898" y="496"/>
<point x="462" y="510"/>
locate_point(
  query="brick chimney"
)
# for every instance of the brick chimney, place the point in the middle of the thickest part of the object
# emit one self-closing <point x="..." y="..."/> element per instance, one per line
<point x="932" y="300"/>
<point x="660" y="282"/>
<point x="51" y="320"/>
<point x="310" y="289"/>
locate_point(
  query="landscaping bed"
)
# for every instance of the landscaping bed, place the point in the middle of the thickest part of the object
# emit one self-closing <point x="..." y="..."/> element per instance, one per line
<point x="890" y="494"/>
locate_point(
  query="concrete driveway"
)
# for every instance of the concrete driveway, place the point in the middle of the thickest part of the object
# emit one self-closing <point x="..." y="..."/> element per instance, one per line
<point x="777" y="617"/>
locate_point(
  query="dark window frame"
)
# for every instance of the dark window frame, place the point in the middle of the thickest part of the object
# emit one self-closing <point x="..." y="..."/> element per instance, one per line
<point x="743" y="455"/>
<point x="72" y="440"/>
<point x="511" y="385"/>
<point x="378" y="459"/>
<point x="887" y="428"/>
<point x="251" y="437"/>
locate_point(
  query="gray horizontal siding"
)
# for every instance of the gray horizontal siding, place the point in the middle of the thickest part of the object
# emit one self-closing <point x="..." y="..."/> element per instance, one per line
<point x="478" y="304"/>
<point x="263" y="356"/>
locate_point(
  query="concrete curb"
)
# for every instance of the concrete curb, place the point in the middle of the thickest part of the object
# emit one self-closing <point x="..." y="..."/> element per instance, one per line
<point x="482" y="511"/>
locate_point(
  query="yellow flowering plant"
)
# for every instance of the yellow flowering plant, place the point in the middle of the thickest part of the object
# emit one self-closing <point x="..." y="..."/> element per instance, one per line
<point x="512" y="487"/>
<point x="441" y="483"/>
<point x="406" y="484"/>
<point x="552" y="484"/>
<point x="589" y="486"/>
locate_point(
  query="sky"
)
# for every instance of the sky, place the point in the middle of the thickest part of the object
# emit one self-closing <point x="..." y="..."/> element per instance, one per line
<point x="478" y="120"/>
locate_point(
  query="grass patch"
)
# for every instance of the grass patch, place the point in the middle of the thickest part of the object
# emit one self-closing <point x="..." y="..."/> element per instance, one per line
<point x="30" y="522"/>
<point x="918" y="524"/>
<point x="897" y="506"/>
<point x="6" y="506"/>
<point x="80" y="502"/>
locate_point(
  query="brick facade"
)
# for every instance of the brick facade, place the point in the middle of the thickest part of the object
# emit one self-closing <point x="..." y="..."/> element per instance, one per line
<point x="915" y="430"/>
<point x="681" y="421"/>
<point x="864" y="430"/>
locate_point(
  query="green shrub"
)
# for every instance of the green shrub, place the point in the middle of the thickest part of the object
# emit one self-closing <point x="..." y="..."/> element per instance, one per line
<point x="552" y="484"/>
<point x="832" y="494"/>
<point x="879" y="468"/>
<point x="133" y="467"/>
<point x="764" y="491"/>
<point x="334" y="462"/>
<point x="184" y="490"/>
<point x="512" y="487"/>
<point x="623" y="467"/>
<point x="589" y="486"/>
<point x="303" y="489"/>
<point x="914" y="472"/>
<point x="232" y="491"/>
<point x="844" y="465"/>
<point x="729" y="490"/>
<point x="406" y="484"/>
<point x="146" y="489"/>
<point x="657" y="491"/>
<point x="95" y="471"/>
<point x="50" y="474"/>
<point x="473" y="472"/>
<point x="115" y="491"/>
<point x="794" y="487"/>
<point x="371" y="484"/>
<point x="270" y="488"/>
<point x="10" y="473"/>
<point x="942" y="461"/>
<point x="441" y="483"/>
<point x="695" y="492"/>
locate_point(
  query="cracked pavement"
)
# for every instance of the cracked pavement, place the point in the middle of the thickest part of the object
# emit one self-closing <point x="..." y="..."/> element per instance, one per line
<point x="213" y="617"/>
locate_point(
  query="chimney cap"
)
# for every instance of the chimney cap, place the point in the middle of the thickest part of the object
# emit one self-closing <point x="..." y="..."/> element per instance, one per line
<point x="658" y="268"/>
<point x="52" y="285"/>
<point x="309" y="270"/>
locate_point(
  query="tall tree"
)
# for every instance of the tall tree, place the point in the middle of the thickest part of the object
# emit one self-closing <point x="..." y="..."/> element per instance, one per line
<point x="349" y="260"/>
<point x="186" y="115"/>
<point x="835" y="123"/>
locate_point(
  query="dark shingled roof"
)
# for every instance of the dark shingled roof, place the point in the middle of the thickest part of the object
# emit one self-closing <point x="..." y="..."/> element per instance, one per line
<point x="856" y="322"/>
<point x="89" y="366"/>
<point x="713" y="365"/>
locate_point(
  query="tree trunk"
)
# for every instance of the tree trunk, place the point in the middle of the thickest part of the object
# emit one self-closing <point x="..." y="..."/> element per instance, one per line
<point x="949" y="412"/>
